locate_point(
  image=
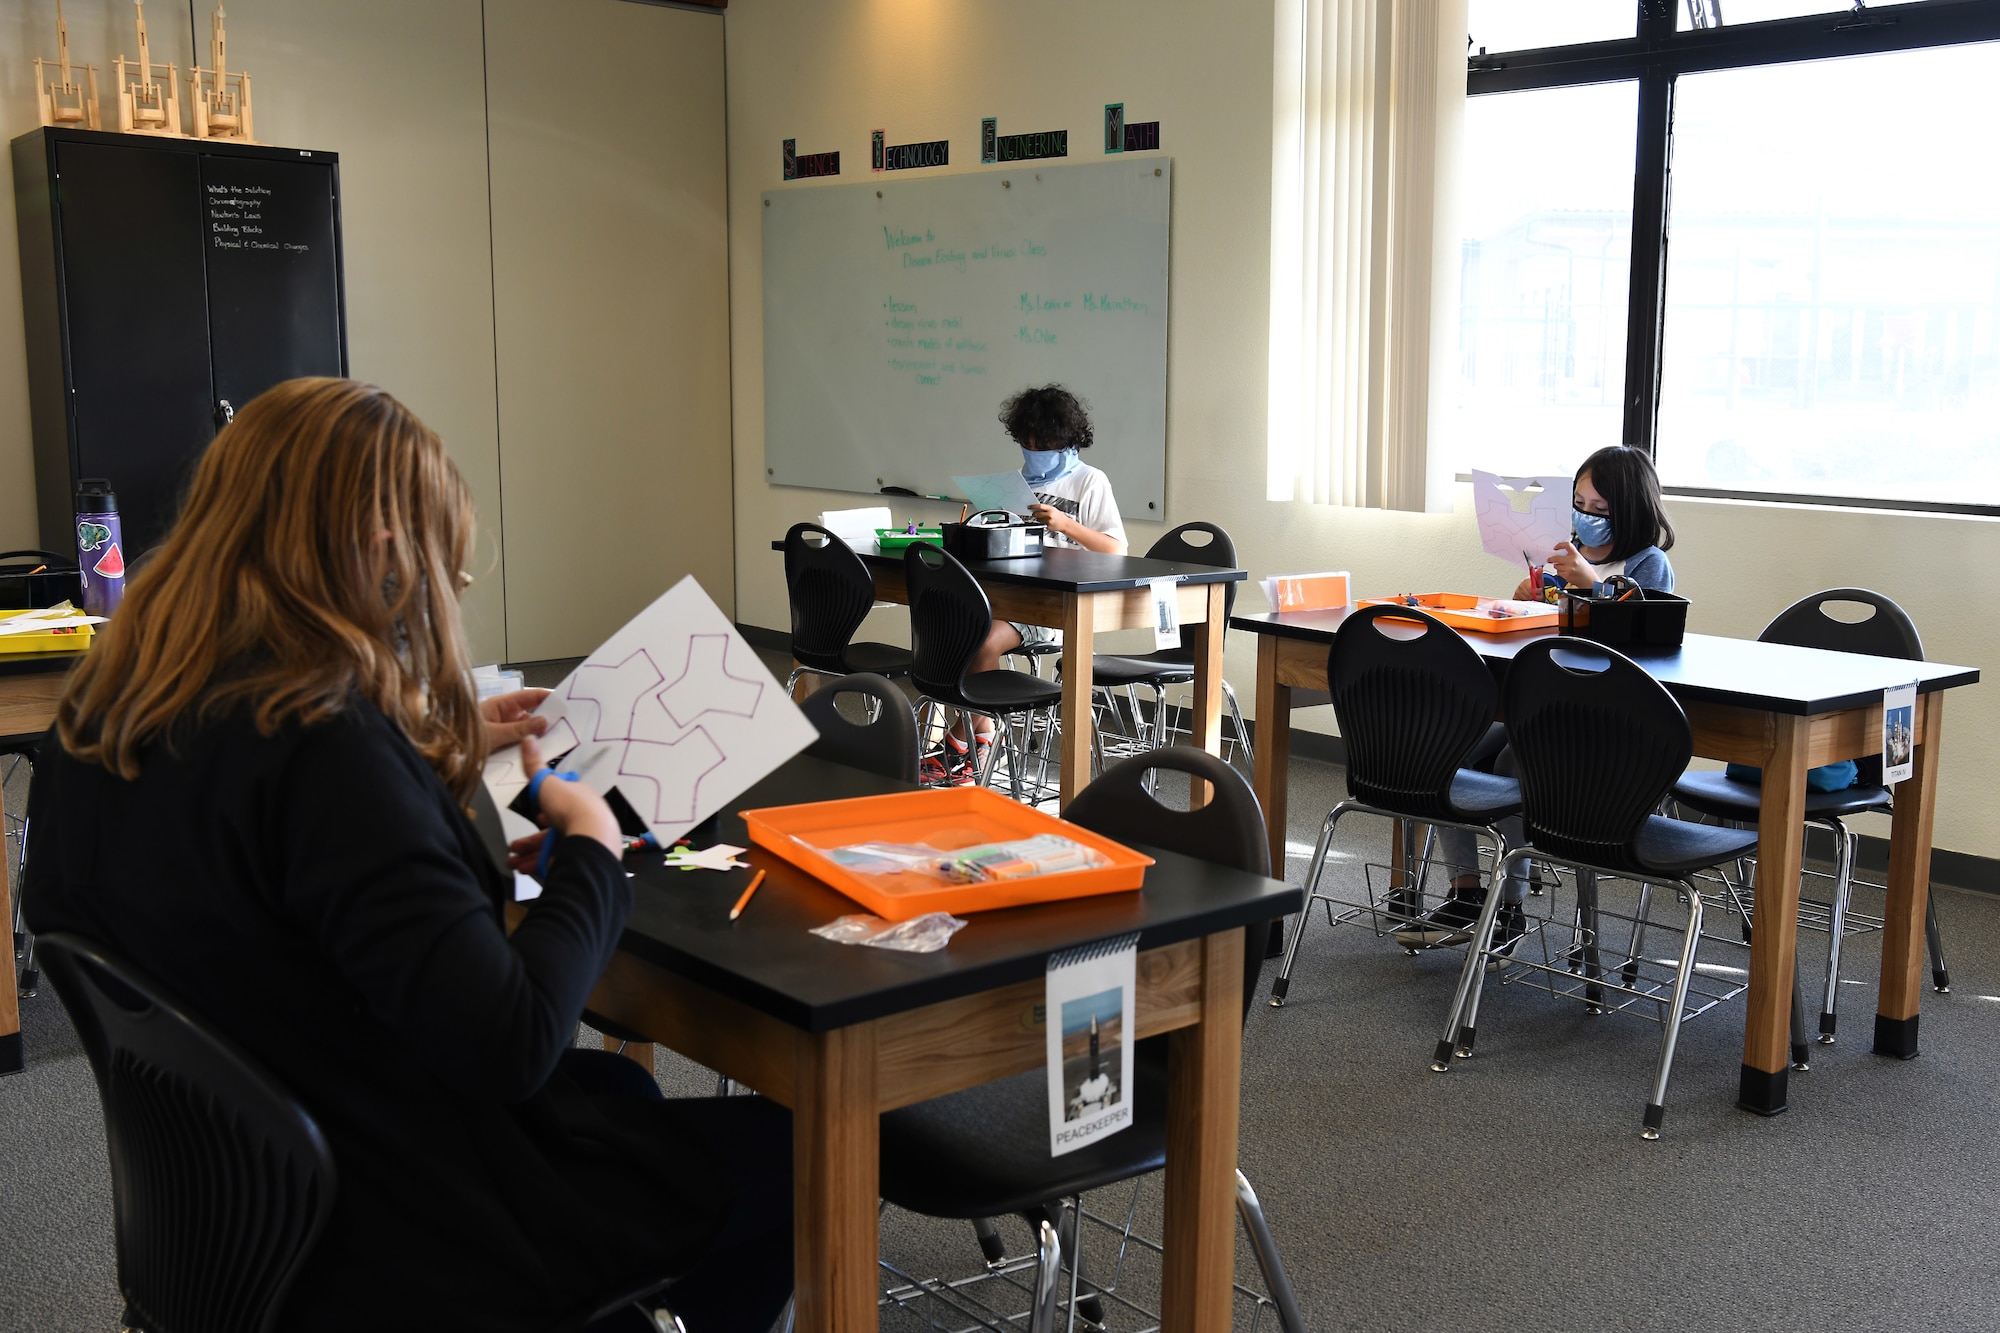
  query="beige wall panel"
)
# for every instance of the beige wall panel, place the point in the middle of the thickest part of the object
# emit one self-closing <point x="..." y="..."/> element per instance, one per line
<point x="396" y="89"/>
<point x="829" y="71"/>
<point x="612" y="316"/>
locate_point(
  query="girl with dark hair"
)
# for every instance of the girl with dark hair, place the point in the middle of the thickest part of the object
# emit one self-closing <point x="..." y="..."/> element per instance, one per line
<point x="1619" y="527"/>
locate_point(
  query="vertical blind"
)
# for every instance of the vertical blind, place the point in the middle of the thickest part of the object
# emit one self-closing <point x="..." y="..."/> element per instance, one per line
<point x="1369" y="98"/>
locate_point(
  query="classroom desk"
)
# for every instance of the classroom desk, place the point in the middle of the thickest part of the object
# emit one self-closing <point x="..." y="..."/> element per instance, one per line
<point x="1781" y="708"/>
<point x="841" y="1034"/>
<point x="30" y="684"/>
<point x="1080" y="593"/>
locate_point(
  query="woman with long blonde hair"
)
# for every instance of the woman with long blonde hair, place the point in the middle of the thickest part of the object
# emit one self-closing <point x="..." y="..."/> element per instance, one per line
<point x="256" y="791"/>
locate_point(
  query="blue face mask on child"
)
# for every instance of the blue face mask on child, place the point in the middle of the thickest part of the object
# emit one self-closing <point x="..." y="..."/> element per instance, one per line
<point x="1590" y="529"/>
<point x="1042" y="466"/>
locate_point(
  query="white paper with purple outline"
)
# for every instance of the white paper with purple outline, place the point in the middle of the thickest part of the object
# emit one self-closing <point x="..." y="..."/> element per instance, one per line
<point x="1521" y="519"/>
<point x="676" y="712"/>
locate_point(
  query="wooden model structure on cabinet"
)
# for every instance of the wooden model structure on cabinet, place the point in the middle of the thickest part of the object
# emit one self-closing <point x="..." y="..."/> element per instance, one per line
<point x="60" y="101"/>
<point x="144" y="106"/>
<point x="221" y="99"/>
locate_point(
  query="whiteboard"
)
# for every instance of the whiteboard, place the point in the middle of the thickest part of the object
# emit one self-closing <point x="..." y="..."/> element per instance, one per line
<point x="899" y="313"/>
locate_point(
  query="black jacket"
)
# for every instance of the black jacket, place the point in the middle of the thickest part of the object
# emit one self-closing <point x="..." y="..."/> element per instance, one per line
<point x="319" y="897"/>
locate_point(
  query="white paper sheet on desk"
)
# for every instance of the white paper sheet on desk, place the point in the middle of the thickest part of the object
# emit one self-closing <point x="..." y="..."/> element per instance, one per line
<point x="998" y="490"/>
<point x="856" y="527"/>
<point x="676" y="712"/>
<point x="47" y="618"/>
<point x="1521" y="518"/>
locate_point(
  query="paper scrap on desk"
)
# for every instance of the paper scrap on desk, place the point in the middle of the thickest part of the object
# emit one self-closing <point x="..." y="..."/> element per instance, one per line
<point x="43" y="619"/>
<point x="1521" y="519"/>
<point x="1088" y="1012"/>
<point x="719" y="857"/>
<point x="999" y="490"/>
<point x="676" y="712"/>
<point x="1899" y="733"/>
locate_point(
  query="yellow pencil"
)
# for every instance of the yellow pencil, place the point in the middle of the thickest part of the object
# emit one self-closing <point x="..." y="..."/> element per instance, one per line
<point x="744" y="901"/>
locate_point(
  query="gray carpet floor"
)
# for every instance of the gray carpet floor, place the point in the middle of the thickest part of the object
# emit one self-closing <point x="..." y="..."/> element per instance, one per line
<point x="1514" y="1191"/>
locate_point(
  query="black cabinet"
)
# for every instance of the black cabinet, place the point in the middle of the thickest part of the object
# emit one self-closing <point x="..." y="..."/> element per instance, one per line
<point x="164" y="283"/>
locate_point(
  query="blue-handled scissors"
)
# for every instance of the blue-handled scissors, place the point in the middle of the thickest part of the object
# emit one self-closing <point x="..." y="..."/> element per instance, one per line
<point x="535" y="797"/>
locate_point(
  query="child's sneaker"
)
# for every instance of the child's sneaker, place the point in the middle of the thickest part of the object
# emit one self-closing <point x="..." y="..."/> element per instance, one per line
<point x="964" y="765"/>
<point x="1508" y="928"/>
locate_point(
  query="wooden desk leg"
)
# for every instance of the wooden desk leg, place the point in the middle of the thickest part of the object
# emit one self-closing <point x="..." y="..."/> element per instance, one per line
<point x="1079" y="639"/>
<point x="1274" y="740"/>
<point x="1204" y="1072"/>
<point x="835" y="1181"/>
<point x="1207" y="723"/>
<point x="638" y="1052"/>
<point x="1774" y="944"/>
<point x="1896" y="1007"/>
<point x="13" y="1059"/>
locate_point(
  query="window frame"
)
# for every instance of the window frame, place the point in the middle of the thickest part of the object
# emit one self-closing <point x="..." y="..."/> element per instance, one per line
<point x="1656" y="57"/>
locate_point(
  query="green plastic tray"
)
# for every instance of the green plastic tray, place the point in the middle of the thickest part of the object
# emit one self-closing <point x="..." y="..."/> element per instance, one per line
<point x="895" y="539"/>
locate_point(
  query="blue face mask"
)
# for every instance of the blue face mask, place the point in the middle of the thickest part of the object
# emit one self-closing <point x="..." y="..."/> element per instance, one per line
<point x="1590" y="529"/>
<point x="1042" y="466"/>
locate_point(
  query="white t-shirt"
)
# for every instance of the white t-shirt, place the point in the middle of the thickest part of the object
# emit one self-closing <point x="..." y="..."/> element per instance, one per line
<point x="1085" y="495"/>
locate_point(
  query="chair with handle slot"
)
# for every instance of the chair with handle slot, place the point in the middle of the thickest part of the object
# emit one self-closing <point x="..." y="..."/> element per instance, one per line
<point x="1887" y="631"/>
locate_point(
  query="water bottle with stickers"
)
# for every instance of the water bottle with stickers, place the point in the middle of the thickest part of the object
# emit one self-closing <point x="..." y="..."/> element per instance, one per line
<point x="100" y="546"/>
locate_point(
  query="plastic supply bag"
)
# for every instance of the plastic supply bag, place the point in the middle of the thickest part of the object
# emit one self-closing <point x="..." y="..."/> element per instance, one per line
<point x="920" y="934"/>
<point x="985" y="863"/>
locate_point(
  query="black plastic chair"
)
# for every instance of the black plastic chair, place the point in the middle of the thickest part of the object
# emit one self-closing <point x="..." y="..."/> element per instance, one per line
<point x="17" y="750"/>
<point x="831" y="593"/>
<point x="1412" y="704"/>
<point x="222" y="1180"/>
<point x="1887" y="632"/>
<point x="984" y="1152"/>
<point x="885" y="744"/>
<point x="1169" y="667"/>
<point x="1598" y="744"/>
<point x="950" y="620"/>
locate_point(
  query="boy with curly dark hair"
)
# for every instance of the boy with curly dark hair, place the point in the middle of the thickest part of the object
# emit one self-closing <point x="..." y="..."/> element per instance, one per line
<point x="1073" y="500"/>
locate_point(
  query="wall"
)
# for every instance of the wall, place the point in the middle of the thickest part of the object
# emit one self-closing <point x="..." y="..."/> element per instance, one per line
<point x="400" y="91"/>
<point x="828" y="71"/>
<point x="612" y="309"/>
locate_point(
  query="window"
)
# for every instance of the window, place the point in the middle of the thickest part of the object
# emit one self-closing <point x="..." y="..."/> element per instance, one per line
<point x="1547" y="216"/>
<point x="1815" y="319"/>
<point x="1517" y="25"/>
<point x="1834" y="281"/>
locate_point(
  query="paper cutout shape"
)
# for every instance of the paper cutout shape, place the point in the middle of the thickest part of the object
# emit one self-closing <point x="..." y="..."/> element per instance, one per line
<point x="679" y="713"/>
<point x="706" y="684"/>
<point x="722" y="856"/>
<point x="1521" y="519"/>
<point x="616" y="690"/>
<point x="674" y="770"/>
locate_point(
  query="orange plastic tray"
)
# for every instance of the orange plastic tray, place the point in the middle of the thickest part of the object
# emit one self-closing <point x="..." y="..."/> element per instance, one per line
<point x="946" y="819"/>
<point x="1464" y="611"/>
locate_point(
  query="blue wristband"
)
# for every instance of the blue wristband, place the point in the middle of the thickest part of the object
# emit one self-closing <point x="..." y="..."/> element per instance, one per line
<point x="535" y="795"/>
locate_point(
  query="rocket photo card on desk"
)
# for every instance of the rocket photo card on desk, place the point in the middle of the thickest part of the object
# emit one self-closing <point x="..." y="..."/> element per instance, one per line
<point x="1088" y="1007"/>
<point x="675" y="712"/>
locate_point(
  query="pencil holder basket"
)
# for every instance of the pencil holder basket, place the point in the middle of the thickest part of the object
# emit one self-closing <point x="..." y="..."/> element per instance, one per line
<point x="1649" y="620"/>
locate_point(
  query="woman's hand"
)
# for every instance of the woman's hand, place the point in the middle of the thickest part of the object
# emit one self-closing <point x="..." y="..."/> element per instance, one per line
<point x="1575" y="570"/>
<point x="510" y="717"/>
<point x="567" y="810"/>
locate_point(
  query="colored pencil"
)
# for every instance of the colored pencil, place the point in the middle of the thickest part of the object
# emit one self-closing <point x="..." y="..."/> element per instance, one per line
<point x="744" y="901"/>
